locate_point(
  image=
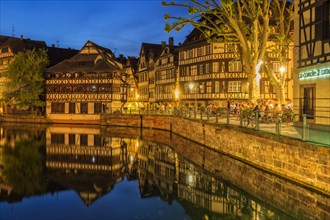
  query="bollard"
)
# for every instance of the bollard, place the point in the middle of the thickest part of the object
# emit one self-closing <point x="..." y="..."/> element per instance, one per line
<point x="130" y="111"/>
<point x="228" y="113"/>
<point x="278" y="124"/>
<point x="257" y="120"/>
<point x="240" y="119"/>
<point x="201" y="115"/>
<point x="207" y="115"/>
<point x="195" y="113"/>
<point x="304" y="128"/>
<point x="216" y="118"/>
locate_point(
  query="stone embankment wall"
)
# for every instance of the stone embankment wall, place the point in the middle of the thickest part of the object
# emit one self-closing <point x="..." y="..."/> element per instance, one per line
<point x="24" y="119"/>
<point x="304" y="163"/>
<point x="294" y="199"/>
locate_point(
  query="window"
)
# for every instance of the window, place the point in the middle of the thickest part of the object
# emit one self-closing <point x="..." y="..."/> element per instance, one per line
<point x="72" y="107"/>
<point x="200" y="51"/>
<point x="208" y="50"/>
<point x="182" y="55"/>
<point x="200" y="69"/>
<point x="83" y="140"/>
<point x="322" y="22"/>
<point x="276" y="67"/>
<point x="216" y="67"/>
<point x="235" y="66"/>
<point x="97" y="141"/>
<point x="234" y="86"/>
<point x="57" y="138"/>
<point x="57" y="107"/>
<point x="216" y="87"/>
<point x="84" y="108"/>
<point x="194" y="70"/>
<point x="207" y="68"/>
<point x="72" y="139"/>
<point x="97" y="107"/>
<point x="4" y="50"/>
<point x="230" y="48"/>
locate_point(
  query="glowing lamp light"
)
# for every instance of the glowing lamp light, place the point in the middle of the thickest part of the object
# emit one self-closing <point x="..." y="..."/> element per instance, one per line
<point x="282" y="69"/>
<point x="176" y="93"/>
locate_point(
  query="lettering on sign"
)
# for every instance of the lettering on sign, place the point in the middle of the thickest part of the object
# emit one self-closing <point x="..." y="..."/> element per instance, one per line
<point x="315" y="73"/>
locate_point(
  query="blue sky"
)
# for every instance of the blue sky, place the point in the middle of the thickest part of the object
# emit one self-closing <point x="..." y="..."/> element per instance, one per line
<point x="121" y="25"/>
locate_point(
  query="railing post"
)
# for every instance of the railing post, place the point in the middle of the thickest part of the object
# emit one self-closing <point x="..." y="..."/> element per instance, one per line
<point x="195" y="113"/>
<point x="278" y="124"/>
<point x="257" y="120"/>
<point x="201" y="115"/>
<point x="207" y="115"/>
<point x="304" y="128"/>
<point x="240" y="119"/>
<point x="216" y="118"/>
<point x="228" y="113"/>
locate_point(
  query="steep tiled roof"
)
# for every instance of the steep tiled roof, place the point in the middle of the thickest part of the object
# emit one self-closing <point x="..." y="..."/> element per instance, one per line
<point x="19" y="44"/>
<point x="102" y="61"/>
<point x="156" y="49"/>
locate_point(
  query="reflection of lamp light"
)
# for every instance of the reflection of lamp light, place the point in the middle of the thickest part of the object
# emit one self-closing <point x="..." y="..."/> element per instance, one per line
<point x="131" y="158"/>
<point x="190" y="178"/>
<point x="282" y="69"/>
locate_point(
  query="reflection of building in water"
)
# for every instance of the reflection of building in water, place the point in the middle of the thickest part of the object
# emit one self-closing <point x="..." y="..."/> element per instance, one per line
<point x="82" y="159"/>
<point x="156" y="171"/>
<point x="199" y="188"/>
<point x="162" y="172"/>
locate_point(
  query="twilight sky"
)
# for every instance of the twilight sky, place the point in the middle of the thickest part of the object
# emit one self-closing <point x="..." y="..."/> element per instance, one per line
<point x="121" y="25"/>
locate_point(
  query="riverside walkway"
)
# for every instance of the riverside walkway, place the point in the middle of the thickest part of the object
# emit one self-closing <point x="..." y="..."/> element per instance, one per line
<point x="290" y="128"/>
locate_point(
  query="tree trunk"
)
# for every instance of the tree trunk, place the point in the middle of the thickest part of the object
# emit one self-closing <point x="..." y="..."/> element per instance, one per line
<point x="280" y="90"/>
<point x="254" y="89"/>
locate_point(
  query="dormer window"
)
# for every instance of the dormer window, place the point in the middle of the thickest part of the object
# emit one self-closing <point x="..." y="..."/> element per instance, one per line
<point x="4" y="50"/>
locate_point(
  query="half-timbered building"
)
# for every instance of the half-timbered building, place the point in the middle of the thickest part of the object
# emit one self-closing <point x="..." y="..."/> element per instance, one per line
<point x="146" y="72"/>
<point x="86" y="85"/>
<point x="166" y="82"/>
<point x="211" y="73"/>
<point x="312" y="77"/>
<point x="132" y="81"/>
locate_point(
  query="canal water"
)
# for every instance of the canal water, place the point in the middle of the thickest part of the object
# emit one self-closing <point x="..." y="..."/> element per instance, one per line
<point x="94" y="172"/>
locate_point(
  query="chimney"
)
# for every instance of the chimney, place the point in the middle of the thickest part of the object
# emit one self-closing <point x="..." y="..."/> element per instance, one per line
<point x="22" y="37"/>
<point x="163" y="44"/>
<point x="171" y="41"/>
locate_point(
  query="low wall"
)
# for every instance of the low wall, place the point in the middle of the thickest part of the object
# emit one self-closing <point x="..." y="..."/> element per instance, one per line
<point x="296" y="160"/>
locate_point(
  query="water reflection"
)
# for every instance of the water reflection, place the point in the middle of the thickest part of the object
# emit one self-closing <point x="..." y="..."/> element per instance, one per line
<point x="93" y="160"/>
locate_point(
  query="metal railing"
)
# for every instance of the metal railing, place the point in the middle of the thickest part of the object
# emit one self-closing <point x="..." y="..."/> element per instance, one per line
<point x="286" y="123"/>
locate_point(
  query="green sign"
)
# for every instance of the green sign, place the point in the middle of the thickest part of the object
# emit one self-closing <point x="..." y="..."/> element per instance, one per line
<point x="315" y="73"/>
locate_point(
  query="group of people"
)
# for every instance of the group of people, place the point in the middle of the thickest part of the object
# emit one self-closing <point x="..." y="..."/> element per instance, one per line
<point x="267" y="110"/>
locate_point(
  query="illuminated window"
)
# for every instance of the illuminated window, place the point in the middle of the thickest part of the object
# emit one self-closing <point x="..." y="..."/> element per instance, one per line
<point x="234" y="86"/>
<point x="235" y="66"/>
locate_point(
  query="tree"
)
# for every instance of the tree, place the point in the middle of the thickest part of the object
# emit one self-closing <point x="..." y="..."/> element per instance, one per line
<point x="247" y="23"/>
<point x="25" y="84"/>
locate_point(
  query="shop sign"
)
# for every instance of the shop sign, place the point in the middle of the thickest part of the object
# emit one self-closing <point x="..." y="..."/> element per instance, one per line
<point x="315" y="73"/>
